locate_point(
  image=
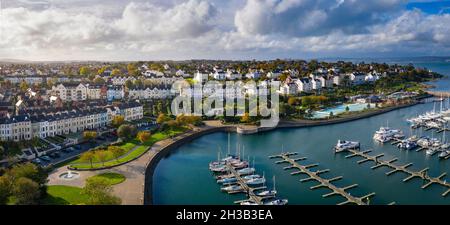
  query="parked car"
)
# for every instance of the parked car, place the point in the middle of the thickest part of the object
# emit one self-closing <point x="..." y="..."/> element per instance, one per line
<point x="36" y="161"/>
<point x="54" y="155"/>
<point x="77" y="147"/>
<point x="46" y="158"/>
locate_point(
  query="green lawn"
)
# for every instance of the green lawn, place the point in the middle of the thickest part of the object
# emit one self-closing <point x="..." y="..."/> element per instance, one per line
<point x="64" y="195"/>
<point x="129" y="155"/>
<point x="110" y="178"/>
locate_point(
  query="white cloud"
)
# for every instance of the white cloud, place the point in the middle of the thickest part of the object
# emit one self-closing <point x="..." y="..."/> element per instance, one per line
<point x="179" y="29"/>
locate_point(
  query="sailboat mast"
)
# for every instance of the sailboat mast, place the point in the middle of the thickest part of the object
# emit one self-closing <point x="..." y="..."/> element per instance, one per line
<point x="228" y="150"/>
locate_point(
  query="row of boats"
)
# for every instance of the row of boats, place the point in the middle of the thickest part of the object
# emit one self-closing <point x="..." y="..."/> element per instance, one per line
<point x="432" y="145"/>
<point x="432" y="119"/>
<point x="234" y="173"/>
<point x="386" y="134"/>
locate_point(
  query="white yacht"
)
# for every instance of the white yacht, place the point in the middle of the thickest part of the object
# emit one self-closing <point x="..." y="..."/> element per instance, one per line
<point x="256" y="181"/>
<point x="345" y="145"/>
<point x="232" y="188"/>
<point x="385" y="134"/>
<point x="267" y="193"/>
<point x="444" y="154"/>
<point x="248" y="202"/>
<point x="246" y="171"/>
<point x="277" y="202"/>
<point x="431" y="151"/>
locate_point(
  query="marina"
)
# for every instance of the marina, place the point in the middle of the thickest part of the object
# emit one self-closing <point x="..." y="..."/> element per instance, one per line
<point x="315" y="142"/>
<point x="422" y="174"/>
<point x="236" y="176"/>
<point x="323" y="183"/>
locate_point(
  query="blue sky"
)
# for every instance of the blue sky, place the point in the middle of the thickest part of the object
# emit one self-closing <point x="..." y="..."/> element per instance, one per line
<point x="433" y="7"/>
<point x="218" y="29"/>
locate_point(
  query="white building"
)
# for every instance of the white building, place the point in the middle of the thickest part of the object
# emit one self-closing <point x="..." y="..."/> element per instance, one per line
<point x="357" y="78"/>
<point x="200" y="77"/>
<point x="121" y="80"/>
<point x="25" y="127"/>
<point x="115" y="92"/>
<point x="70" y="92"/>
<point x="304" y="85"/>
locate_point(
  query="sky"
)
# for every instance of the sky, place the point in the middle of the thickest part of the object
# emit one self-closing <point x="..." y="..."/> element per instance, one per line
<point x="113" y="30"/>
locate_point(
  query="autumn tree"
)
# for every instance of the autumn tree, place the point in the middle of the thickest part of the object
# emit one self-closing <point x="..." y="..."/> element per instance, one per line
<point x="88" y="156"/>
<point x="116" y="72"/>
<point x="84" y="71"/>
<point x="24" y="86"/>
<point x="116" y="151"/>
<point x="126" y="131"/>
<point x="118" y="120"/>
<point x="144" y="136"/>
<point x="245" y="118"/>
<point x="292" y="101"/>
<point x="162" y="118"/>
<point x="102" y="156"/>
<point x="89" y="135"/>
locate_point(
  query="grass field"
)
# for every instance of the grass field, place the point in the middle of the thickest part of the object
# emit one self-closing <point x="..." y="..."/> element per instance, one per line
<point x="64" y="195"/>
<point x="110" y="178"/>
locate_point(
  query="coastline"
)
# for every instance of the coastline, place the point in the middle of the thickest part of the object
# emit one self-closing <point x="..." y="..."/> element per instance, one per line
<point x="215" y="126"/>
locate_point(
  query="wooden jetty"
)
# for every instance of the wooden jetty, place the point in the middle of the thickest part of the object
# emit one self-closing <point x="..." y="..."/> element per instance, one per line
<point x="323" y="183"/>
<point x="422" y="174"/>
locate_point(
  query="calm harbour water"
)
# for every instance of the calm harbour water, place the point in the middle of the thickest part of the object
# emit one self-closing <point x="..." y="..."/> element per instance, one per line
<point x="183" y="176"/>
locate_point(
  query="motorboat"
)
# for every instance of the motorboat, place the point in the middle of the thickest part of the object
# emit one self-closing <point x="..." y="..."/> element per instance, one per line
<point x="444" y="154"/>
<point x="385" y="134"/>
<point x="345" y="145"/>
<point x="431" y="151"/>
<point x="407" y="145"/>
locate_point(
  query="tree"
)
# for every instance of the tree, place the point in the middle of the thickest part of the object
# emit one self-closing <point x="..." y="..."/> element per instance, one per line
<point x="292" y="101"/>
<point x="129" y="84"/>
<point x="347" y="108"/>
<point x="100" y="193"/>
<point x="30" y="171"/>
<point x="84" y="71"/>
<point x="5" y="189"/>
<point x="126" y="131"/>
<point x="118" y="120"/>
<point x="102" y="70"/>
<point x="26" y="191"/>
<point x="88" y="156"/>
<point x="102" y="156"/>
<point x="245" y="118"/>
<point x="89" y="135"/>
<point x="99" y="80"/>
<point x="116" y="151"/>
<point x="116" y="72"/>
<point x="144" y="136"/>
<point x="161" y="118"/>
<point x="24" y="86"/>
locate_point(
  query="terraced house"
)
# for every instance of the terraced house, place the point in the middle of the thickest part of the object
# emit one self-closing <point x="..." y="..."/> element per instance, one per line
<point x="42" y="125"/>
